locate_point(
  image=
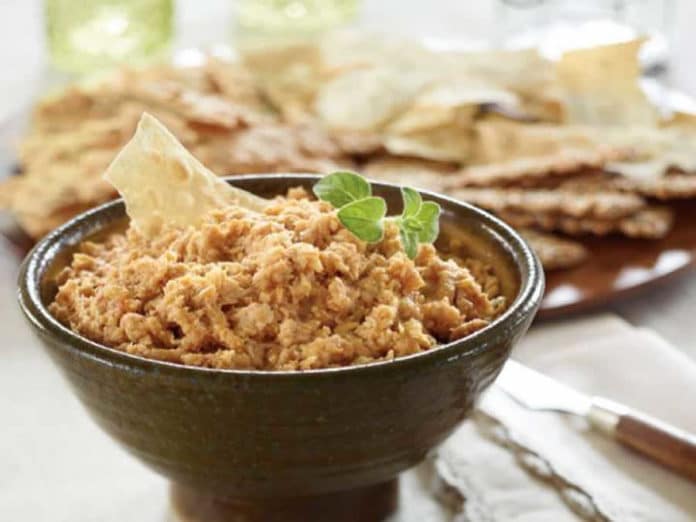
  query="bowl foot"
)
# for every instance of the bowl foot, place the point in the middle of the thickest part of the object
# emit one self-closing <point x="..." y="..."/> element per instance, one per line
<point x="369" y="504"/>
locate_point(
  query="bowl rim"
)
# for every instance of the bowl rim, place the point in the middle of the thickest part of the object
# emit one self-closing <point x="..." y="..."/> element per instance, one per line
<point x="522" y="308"/>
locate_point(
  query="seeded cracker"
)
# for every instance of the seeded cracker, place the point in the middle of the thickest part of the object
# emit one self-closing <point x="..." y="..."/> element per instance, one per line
<point x="556" y="203"/>
<point x="649" y="223"/>
<point x="524" y="171"/>
<point x="673" y="185"/>
<point x="554" y="252"/>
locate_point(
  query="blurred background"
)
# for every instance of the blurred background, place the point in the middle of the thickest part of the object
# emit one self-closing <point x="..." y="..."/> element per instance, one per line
<point x="23" y="53"/>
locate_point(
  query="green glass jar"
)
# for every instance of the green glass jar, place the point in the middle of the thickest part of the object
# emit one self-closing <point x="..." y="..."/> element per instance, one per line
<point x="87" y="35"/>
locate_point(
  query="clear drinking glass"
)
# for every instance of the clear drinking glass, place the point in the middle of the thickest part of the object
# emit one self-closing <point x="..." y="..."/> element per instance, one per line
<point x="85" y="35"/>
<point x="555" y="26"/>
<point x="294" y="15"/>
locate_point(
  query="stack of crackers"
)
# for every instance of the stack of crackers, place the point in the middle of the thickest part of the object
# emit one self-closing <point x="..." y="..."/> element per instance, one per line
<point x="560" y="150"/>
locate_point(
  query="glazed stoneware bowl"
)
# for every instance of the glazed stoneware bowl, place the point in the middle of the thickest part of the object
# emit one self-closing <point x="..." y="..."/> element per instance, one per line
<point x="262" y="445"/>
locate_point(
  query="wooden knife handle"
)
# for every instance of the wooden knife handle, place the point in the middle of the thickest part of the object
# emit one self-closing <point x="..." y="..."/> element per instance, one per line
<point x="665" y="444"/>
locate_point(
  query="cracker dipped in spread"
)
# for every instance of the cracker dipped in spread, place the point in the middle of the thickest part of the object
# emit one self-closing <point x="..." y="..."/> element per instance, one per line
<point x="208" y="275"/>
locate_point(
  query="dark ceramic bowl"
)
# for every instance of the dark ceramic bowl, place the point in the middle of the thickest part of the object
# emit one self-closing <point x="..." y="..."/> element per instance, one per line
<point x="260" y="435"/>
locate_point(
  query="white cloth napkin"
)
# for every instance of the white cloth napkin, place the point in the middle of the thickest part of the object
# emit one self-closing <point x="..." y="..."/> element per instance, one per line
<point x="530" y="466"/>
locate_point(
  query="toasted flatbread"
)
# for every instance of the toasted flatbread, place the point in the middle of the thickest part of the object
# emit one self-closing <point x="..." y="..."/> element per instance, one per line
<point x="289" y="76"/>
<point x="556" y="203"/>
<point x="163" y="183"/>
<point x="670" y="186"/>
<point x="601" y="86"/>
<point x="42" y="198"/>
<point x="554" y="252"/>
<point x="648" y="223"/>
<point x="526" y="170"/>
<point x="273" y="148"/>
<point x="193" y="106"/>
<point x="414" y="172"/>
<point x="499" y="139"/>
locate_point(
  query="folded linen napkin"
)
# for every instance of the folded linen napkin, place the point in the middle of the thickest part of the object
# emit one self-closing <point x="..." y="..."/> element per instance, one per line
<point x="516" y="464"/>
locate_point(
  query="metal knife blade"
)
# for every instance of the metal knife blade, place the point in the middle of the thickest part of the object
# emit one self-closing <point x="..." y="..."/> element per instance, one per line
<point x="655" y="439"/>
<point x="539" y="392"/>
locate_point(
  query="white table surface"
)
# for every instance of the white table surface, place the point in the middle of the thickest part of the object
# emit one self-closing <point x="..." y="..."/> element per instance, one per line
<point x="62" y="450"/>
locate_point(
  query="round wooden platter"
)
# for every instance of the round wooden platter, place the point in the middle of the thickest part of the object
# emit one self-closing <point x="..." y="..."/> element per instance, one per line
<point x="619" y="267"/>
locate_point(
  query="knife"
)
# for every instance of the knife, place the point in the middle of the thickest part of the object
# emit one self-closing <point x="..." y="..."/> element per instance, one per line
<point x="663" y="443"/>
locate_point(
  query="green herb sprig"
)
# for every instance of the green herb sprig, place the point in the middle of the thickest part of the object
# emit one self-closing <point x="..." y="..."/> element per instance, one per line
<point x="364" y="214"/>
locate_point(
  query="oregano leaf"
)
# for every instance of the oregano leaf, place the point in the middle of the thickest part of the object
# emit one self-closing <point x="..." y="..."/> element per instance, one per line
<point x="412" y="202"/>
<point x="429" y="218"/>
<point x="409" y="240"/>
<point x="364" y="218"/>
<point x="342" y="188"/>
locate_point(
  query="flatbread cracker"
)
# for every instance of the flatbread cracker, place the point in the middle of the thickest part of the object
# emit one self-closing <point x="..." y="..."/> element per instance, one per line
<point x="648" y="223"/>
<point x="601" y="86"/>
<point x="448" y="102"/>
<point x="499" y="139"/>
<point x="274" y="148"/>
<point x="162" y="183"/>
<point x="367" y="99"/>
<point x="554" y="203"/>
<point x="195" y="107"/>
<point x="523" y="71"/>
<point x="449" y="143"/>
<point x="670" y="186"/>
<point x="95" y="96"/>
<point x="651" y="222"/>
<point x="233" y="82"/>
<point x="417" y="173"/>
<point x="531" y="77"/>
<point x="42" y="198"/>
<point x="358" y="143"/>
<point x="40" y="148"/>
<point x="289" y="76"/>
<point x="554" y="252"/>
<point x="656" y="151"/>
<point x="564" y="162"/>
